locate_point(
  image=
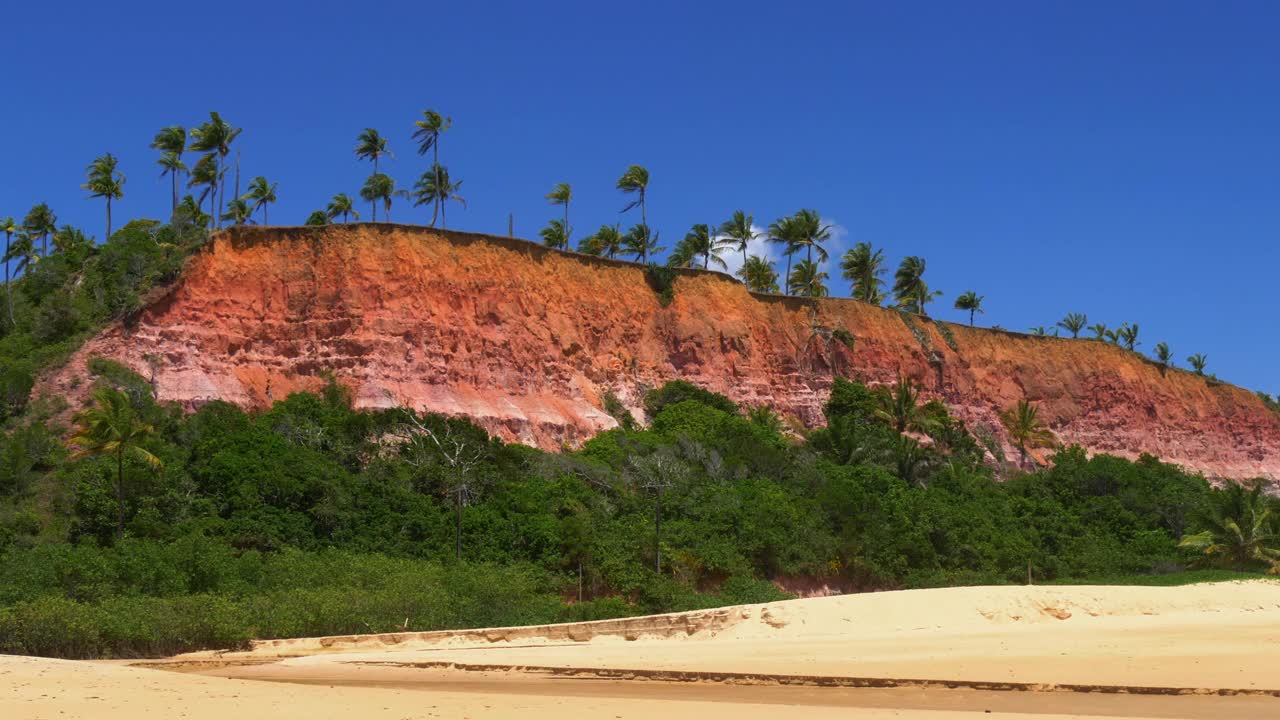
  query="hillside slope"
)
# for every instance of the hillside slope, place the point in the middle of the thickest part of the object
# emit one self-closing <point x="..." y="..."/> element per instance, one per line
<point x="527" y="340"/>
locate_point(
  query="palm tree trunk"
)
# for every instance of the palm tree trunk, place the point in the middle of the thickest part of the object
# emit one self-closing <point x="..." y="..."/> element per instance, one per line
<point x="971" y="317"/>
<point x="566" y="224"/>
<point x="173" y="184"/>
<point x="7" y="296"/>
<point x="657" y="533"/>
<point x="786" y="281"/>
<point x="108" y="237"/>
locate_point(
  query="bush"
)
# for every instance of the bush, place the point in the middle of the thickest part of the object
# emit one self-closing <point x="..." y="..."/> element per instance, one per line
<point x="676" y="391"/>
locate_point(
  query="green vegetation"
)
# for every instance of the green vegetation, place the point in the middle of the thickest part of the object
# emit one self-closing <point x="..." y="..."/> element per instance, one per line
<point x="971" y="302"/>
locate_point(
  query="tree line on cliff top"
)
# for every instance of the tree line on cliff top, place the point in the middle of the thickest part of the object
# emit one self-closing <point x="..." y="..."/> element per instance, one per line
<point x="800" y="237"/>
<point x="138" y="529"/>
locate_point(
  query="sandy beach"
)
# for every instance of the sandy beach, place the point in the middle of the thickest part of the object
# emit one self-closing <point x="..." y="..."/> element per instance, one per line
<point x="1202" y="651"/>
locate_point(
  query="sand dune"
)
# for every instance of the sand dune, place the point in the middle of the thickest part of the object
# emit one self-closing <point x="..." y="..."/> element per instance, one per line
<point x="1187" y="652"/>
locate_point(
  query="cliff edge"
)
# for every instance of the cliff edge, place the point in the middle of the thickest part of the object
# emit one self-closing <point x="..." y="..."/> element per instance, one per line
<point x="527" y="340"/>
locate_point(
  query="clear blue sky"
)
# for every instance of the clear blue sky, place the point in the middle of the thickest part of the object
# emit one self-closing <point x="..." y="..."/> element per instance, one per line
<point x="1120" y="159"/>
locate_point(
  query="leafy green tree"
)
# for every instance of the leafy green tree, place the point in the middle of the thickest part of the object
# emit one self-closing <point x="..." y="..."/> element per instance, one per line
<point x="909" y="288"/>
<point x="1239" y="530"/>
<point x="553" y="235"/>
<point x="215" y="137"/>
<point x="1026" y="430"/>
<point x="739" y="231"/>
<point x="899" y="406"/>
<point x="970" y="301"/>
<point x="807" y="279"/>
<point x="341" y="204"/>
<point x="863" y="267"/>
<point x="758" y="275"/>
<point x="381" y="187"/>
<point x="1074" y="323"/>
<point x="41" y="222"/>
<point x="1198" y="362"/>
<point x="658" y="472"/>
<point x="437" y="188"/>
<point x="635" y="181"/>
<point x="561" y="194"/>
<point x="112" y="427"/>
<point x="606" y="241"/>
<point x="171" y="142"/>
<point x="639" y="243"/>
<point x="262" y="193"/>
<point x="105" y="181"/>
<point x="317" y="217"/>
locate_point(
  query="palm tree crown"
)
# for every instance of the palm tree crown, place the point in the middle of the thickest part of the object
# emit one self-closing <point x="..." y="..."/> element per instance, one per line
<point x="112" y="427"/>
<point x="635" y="181"/>
<point x="972" y="302"/>
<point x="806" y="279"/>
<point x="606" y="241"/>
<point x="909" y="287"/>
<point x="862" y="267"/>
<point x="371" y="145"/>
<point x="40" y="222"/>
<point x="640" y="243"/>
<point x="215" y="137"/>
<point x="105" y="181"/>
<point x="171" y="142"/>
<point x="701" y="241"/>
<point x="1025" y="429"/>
<point x="1239" y="531"/>
<point x="341" y="204"/>
<point x="1074" y="323"/>
<point x="381" y="186"/>
<point x="561" y="194"/>
<point x="262" y="193"/>
<point x="739" y="231"/>
<point x="758" y="275"/>
<point x="554" y="236"/>
<point x="437" y="188"/>
<point x="1198" y="362"/>
<point x="427" y="132"/>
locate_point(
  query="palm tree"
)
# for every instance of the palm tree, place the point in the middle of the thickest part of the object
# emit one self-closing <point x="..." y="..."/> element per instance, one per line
<point x="341" y="205"/>
<point x="40" y="222"/>
<point x="205" y="173"/>
<point x="371" y="145"/>
<point x="1128" y="335"/>
<point x="553" y="235"/>
<point x="909" y="287"/>
<point x="317" y="217"/>
<point x="1238" y="530"/>
<point x="171" y="142"/>
<point x="22" y="253"/>
<point x="1163" y="355"/>
<point x="436" y="188"/>
<point x="1074" y="323"/>
<point x="898" y="405"/>
<point x="1197" y="362"/>
<point x="381" y="186"/>
<point x="1025" y="429"/>
<point x="972" y="302"/>
<point x="606" y="241"/>
<point x="640" y="243"/>
<point x="683" y="255"/>
<point x="702" y="241"/>
<point x="262" y="194"/>
<point x="104" y="181"/>
<point x="561" y="194"/>
<point x="811" y="233"/>
<point x="427" y="133"/>
<point x="215" y="137"/>
<point x="113" y="428"/>
<point x="1099" y="331"/>
<point x="758" y="275"/>
<point x="739" y="230"/>
<point x="635" y="181"/>
<point x="8" y="226"/>
<point x="862" y="267"/>
<point x="191" y="209"/>
<point x="807" y="279"/>
<point x="1039" y="331"/>
<point x="786" y="232"/>
<point x="238" y="212"/>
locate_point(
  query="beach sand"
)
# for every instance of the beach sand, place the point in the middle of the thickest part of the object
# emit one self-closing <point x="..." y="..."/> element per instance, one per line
<point x="1201" y="651"/>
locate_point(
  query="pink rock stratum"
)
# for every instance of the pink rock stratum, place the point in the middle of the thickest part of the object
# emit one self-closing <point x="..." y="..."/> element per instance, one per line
<point x="527" y="340"/>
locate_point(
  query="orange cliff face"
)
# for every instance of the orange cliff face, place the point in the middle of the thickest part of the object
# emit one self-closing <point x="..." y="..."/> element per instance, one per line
<point x="527" y="340"/>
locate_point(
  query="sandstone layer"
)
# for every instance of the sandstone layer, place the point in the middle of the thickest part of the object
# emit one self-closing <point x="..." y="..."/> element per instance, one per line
<point x="527" y="341"/>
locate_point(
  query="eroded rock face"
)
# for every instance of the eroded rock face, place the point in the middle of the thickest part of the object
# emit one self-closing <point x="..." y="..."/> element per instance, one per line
<point x="527" y="340"/>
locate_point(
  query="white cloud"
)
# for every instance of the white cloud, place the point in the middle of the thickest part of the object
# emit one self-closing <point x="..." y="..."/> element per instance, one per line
<point x="835" y="246"/>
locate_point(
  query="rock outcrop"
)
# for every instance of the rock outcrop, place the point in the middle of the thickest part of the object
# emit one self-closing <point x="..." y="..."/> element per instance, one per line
<point x="527" y="341"/>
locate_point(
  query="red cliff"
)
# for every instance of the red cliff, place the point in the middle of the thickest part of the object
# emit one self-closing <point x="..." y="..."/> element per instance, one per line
<point x="526" y="340"/>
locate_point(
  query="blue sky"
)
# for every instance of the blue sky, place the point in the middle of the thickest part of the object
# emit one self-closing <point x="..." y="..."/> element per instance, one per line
<point x="1120" y="159"/>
